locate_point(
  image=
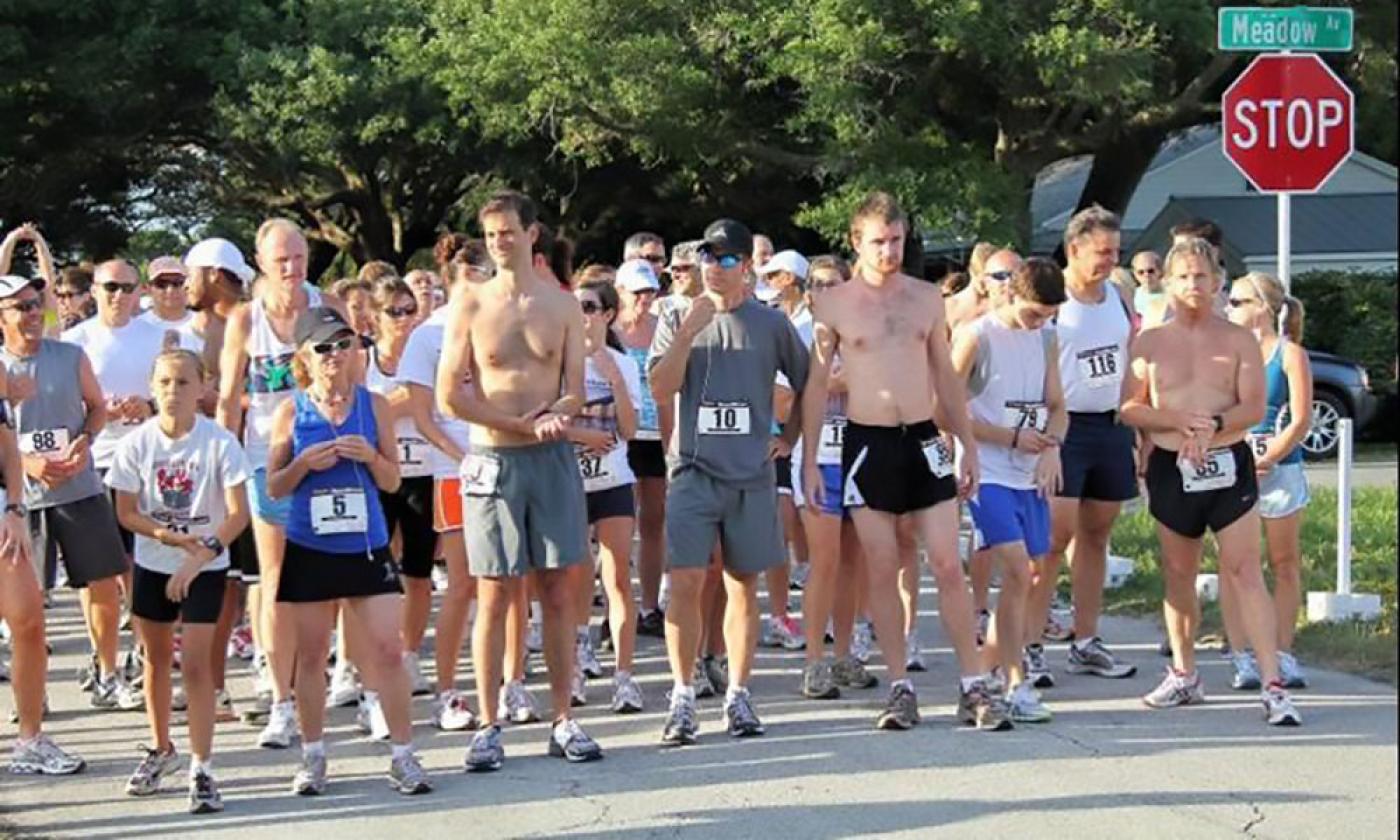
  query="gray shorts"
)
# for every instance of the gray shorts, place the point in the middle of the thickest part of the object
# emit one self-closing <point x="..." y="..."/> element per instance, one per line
<point x="700" y="509"/>
<point x="525" y="509"/>
<point x="86" y="534"/>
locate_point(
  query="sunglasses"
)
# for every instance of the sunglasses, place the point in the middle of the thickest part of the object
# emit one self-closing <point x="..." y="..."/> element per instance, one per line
<point x="591" y="307"/>
<point x="69" y="295"/>
<point x="1237" y="303"/>
<point x="115" y="288"/>
<point x="401" y="311"/>
<point x="167" y="285"/>
<point x="1144" y="271"/>
<point x="681" y="269"/>
<point x="24" y="307"/>
<point x="725" y="261"/>
<point x="340" y="345"/>
<point x="1000" y="276"/>
<point x="655" y="259"/>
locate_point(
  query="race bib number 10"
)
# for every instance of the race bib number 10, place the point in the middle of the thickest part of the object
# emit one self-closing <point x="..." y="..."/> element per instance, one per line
<point x="723" y="418"/>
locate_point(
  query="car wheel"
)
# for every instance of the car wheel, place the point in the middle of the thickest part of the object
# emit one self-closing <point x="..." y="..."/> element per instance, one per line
<point x="1323" y="436"/>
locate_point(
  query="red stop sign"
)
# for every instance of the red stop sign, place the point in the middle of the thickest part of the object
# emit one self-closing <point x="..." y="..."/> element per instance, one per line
<point x="1287" y="123"/>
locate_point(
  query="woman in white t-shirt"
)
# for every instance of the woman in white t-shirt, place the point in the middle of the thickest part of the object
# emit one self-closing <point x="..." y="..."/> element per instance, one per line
<point x="179" y="479"/>
<point x="612" y="386"/>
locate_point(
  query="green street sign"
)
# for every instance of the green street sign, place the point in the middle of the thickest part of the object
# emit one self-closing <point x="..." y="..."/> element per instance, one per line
<point x="1305" y="28"/>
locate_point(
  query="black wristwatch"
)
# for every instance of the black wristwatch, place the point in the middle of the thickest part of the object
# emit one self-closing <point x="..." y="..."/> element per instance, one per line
<point x="18" y="508"/>
<point x="212" y="543"/>
<point x="1219" y="422"/>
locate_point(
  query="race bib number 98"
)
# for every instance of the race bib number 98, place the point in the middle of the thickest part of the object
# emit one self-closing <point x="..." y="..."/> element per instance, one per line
<point x="1217" y="472"/>
<point x="723" y="418"/>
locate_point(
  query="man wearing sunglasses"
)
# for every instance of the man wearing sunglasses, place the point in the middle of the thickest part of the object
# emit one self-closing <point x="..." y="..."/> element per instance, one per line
<point x="645" y="245"/>
<point x="167" y="281"/>
<point x="721" y="356"/>
<point x="1150" y="294"/>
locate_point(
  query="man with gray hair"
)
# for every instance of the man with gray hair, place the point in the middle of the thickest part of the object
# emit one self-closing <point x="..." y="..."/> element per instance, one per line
<point x="645" y="245"/>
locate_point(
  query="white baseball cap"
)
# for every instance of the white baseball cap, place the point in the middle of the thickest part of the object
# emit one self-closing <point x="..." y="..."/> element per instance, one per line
<point x="789" y="261"/>
<point x="13" y="284"/>
<point x="220" y="253"/>
<point x="637" y="276"/>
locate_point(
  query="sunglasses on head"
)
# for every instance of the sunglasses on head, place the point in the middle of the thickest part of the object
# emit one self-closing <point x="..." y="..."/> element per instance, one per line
<point x="26" y="306"/>
<point x="723" y="260"/>
<point x="401" y="311"/>
<point x="591" y="307"/>
<point x="166" y="285"/>
<point x="114" y="288"/>
<point x="340" y="345"/>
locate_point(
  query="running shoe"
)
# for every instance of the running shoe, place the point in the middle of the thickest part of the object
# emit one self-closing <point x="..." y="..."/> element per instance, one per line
<point x="1176" y="689"/>
<point x="485" y="753"/>
<point x="240" y="643"/>
<point x="4" y="671"/>
<point x="1057" y="630"/>
<point x="223" y="707"/>
<point x="517" y="704"/>
<point x="818" y="682"/>
<point x="1025" y="704"/>
<point x="568" y="741"/>
<point x="87" y="676"/>
<point x="1094" y="657"/>
<point x="716" y="672"/>
<point x="407" y="777"/>
<point x="850" y="672"/>
<point x="789" y="633"/>
<point x="1246" y="676"/>
<point x="627" y="696"/>
<point x="797" y="579"/>
<point x="204" y="794"/>
<point x="453" y="713"/>
<point x="861" y="642"/>
<point x="587" y="657"/>
<point x="743" y="720"/>
<point x="439" y="578"/>
<point x="261" y="708"/>
<point x="175" y="648"/>
<point x="178" y="701"/>
<point x="418" y="683"/>
<point x="145" y="780"/>
<point x="310" y="780"/>
<point x="281" y="727"/>
<point x="344" y="689"/>
<point x="369" y="717"/>
<point x="651" y="623"/>
<point x="534" y="636"/>
<point x="104" y="693"/>
<point x="681" y="724"/>
<point x="913" y="655"/>
<point x="131" y="667"/>
<point x="901" y="709"/>
<point x="578" y="689"/>
<point x="982" y="706"/>
<point x="700" y="679"/>
<point x="1290" y="672"/>
<point x="1278" y="707"/>
<point x="41" y="756"/>
<point x="1037" y="667"/>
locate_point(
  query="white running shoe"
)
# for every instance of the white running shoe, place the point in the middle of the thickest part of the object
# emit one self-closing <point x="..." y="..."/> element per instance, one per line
<point x="534" y="636"/>
<point x="452" y="712"/>
<point x="586" y="657"/>
<point x="418" y="684"/>
<point x="861" y="642"/>
<point x="281" y="727"/>
<point x="369" y="718"/>
<point x="344" y="689"/>
<point x="913" y="653"/>
<point x="517" y="704"/>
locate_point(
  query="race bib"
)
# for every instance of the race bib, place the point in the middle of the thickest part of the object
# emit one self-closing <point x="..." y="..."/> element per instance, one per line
<point x="339" y="511"/>
<point x="413" y="452"/>
<point x="723" y="418"/>
<point x="939" y="459"/>
<point x="1259" y="444"/>
<point x="1217" y="472"/>
<point x="595" y="469"/>
<point x="832" y="440"/>
<point x="1026" y="415"/>
<point x="480" y="473"/>
<point x="48" y="443"/>
<point x="1101" y="367"/>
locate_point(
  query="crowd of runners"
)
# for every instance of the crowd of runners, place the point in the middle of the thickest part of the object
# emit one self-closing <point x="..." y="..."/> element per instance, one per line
<point x="227" y="462"/>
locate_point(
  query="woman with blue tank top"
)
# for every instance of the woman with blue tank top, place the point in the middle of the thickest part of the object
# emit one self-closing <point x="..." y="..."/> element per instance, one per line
<point x="1258" y="302"/>
<point x="333" y="451"/>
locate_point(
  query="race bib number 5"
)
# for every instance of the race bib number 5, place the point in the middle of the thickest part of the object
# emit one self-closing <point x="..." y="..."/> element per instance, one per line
<point x="939" y="459"/>
<point x="339" y="511"/>
<point x="1217" y="472"/>
<point x="1259" y="444"/>
<point x="1101" y="367"/>
<point x="49" y="443"/>
<point x="723" y="418"/>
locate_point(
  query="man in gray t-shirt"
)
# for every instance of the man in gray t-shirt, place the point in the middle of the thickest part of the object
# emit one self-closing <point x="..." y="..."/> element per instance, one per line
<point x="721" y="355"/>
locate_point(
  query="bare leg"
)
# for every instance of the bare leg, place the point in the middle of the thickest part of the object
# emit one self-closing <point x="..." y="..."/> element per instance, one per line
<point x="614" y="547"/>
<point x="223" y="631"/>
<point x="158" y="641"/>
<point x="1181" y="559"/>
<point x="909" y="572"/>
<point x="278" y="627"/>
<point x="849" y="583"/>
<point x="22" y="607"/>
<point x="651" y="524"/>
<point x="939" y="527"/>
<point x="452" y="613"/>
<point x="882" y="562"/>
<point x="1287" y="561"/>
<point x="1239" y="559"/>
<point x="313" y="623"/>
<point x="1090" y="557"/>
<point x="105" y="611"/>
<point x="1004" y="637"/>
<point x="820" y="593"/>
<point x="557" y="589"/>
<point x="683" y="622"/>
<point x="197" y="643"/>
<point x="377" y="620"/>
<point x="496" y="596"/>
<point x="417" y="609"/>
<point x="740" y="625"/>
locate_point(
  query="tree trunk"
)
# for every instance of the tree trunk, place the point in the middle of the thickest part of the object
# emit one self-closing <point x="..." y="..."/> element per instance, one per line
<point x="1117" y="170"/>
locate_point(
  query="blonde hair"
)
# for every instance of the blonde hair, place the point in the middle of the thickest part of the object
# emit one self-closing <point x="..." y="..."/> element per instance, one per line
<point x="179" y="354"/>
<point x="977" y="260"/>
<point x="1286" y="309"/>
<point x="267" y="228"/>
<point x="1192" y="246"/>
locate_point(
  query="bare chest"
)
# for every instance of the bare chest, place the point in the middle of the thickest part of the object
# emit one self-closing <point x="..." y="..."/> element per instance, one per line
<point x="514" y="335"/>
<point x="895" y="325"/>
<point x="1206" y="365"/>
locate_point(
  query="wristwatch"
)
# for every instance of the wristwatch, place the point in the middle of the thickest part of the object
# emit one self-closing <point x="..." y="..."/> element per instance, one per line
<point x="17" y="508"/>
<point x="212" y="543"/>
<point x="1219" y="422"/>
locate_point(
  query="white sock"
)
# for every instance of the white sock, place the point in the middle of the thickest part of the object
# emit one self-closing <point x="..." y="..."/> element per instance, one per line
<point x="198" y="765"/>
<point x="401" y="751"/>
<point x="681" y="692"/>
<point x="312" y="748"/>
<point x="620" y="676"/>
<point x="735" y="690"/>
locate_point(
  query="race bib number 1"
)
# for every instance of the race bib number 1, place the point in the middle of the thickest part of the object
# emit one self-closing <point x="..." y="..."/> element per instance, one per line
<point x="940" y="460"/>
<point x="1100" y="367"/>
<point x="832" y="440"/>
<point x="48" y="443"/>
<point x="412" y="451"/>
<point x="339" y="511"/>
<point x="723" y="418"/>
<point x="1217" y="472"/>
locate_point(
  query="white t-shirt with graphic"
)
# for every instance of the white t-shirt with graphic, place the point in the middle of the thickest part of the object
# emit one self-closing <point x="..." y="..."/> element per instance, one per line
<point x="179" y="483"/>
<point x="609" y="470"/>
<point x="419" y="367"/>
<point x="190" y="338"/>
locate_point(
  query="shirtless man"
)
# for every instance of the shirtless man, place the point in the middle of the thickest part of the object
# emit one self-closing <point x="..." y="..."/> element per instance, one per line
<point x="891" y="333"/>
<point x="519" y="338"/>
<point x="1195" y="386"/>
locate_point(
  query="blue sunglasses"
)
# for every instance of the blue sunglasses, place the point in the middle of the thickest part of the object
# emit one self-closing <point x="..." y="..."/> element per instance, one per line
<point x="724" y="261"/>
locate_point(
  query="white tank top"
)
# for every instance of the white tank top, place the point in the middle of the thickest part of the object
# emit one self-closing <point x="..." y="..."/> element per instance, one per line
<point x="416" y="455"/>
<point x="1007" y="389"/>
<point x="1093" y="351"/>
<point x="269" y="376"/>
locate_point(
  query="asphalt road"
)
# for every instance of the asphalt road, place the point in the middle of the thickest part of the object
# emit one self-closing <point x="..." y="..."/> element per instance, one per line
<point x="1105" y="767"/>
<point x="1364" y="474"/>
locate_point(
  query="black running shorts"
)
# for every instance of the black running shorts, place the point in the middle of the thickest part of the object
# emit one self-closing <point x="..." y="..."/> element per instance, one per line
<point x="886" y="468"/>
<point x="1191" y="504"/>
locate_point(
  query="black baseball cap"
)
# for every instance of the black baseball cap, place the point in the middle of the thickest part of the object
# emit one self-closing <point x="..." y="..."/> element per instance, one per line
<point x="320" y="323"/>
<point x="726" y="236"/>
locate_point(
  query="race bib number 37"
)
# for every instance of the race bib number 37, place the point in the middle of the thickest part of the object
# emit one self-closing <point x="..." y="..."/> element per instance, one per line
<point x="1217" y="472"/>
<point x="723" y="418"/>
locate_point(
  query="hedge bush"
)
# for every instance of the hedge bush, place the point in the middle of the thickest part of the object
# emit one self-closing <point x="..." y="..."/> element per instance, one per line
<point x="1352" y="314"/>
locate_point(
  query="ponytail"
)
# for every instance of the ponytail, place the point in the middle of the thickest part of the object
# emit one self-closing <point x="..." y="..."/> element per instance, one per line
<point x="1290" y="319"/>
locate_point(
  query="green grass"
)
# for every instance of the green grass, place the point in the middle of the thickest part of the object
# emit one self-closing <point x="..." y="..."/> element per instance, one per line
<point x="1367" y="648"/>
<point x="1379" y="452"/>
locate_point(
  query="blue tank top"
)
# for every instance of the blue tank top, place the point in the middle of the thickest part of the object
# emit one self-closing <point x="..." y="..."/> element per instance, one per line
<point x="648" y="420"/>
<point x="1276" y="394"/>
<point x="337" y="510"/>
